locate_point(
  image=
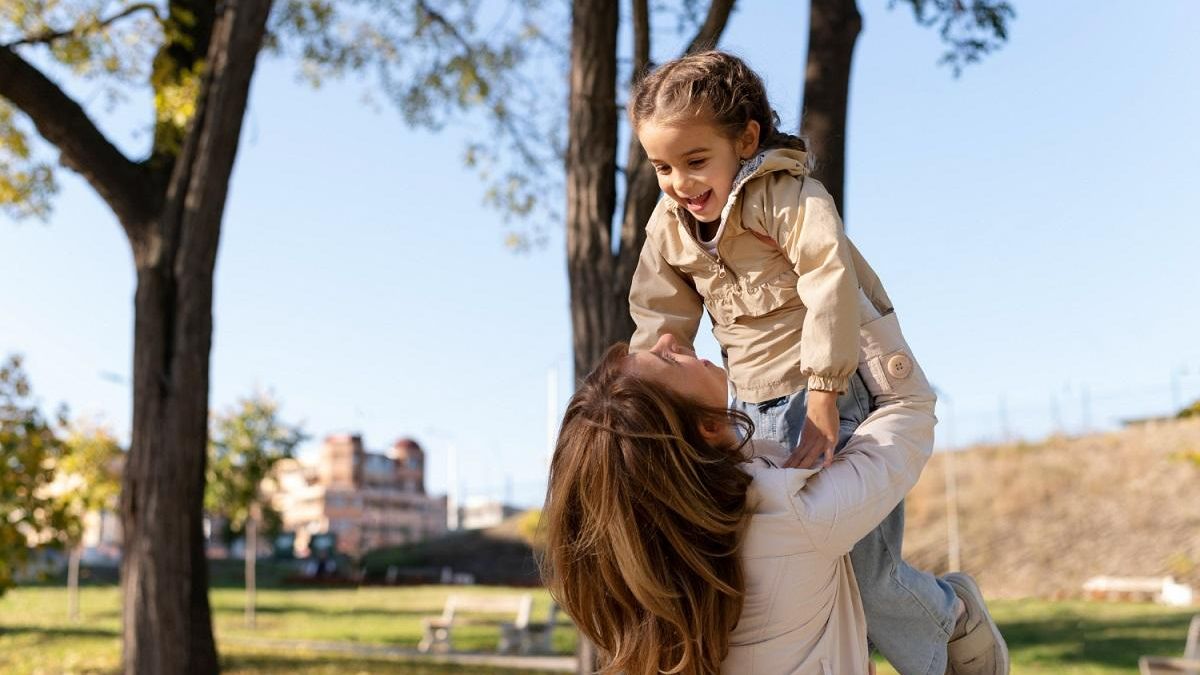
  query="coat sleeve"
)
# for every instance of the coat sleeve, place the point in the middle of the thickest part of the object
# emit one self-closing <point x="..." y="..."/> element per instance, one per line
<point x="662" y="300"/>
<point x="807" y="227"/>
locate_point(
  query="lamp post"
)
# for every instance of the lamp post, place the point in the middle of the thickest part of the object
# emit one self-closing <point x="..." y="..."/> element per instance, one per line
<point x="953" y="551"/>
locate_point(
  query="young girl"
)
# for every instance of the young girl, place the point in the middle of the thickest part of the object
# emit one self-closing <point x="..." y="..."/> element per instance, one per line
<point x="745" y="233"/>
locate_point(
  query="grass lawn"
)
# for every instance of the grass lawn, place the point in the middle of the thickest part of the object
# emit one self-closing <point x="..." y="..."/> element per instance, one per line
<point x="1085" y="638"/>
<point x="36" y="637"/>
<point x="1063" y="638"/>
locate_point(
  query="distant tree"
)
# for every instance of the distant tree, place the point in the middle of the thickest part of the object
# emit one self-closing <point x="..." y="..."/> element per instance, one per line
<point x="30" y="452"/>
<point x="247" y="441"/>
<point x="90" y="481"/>
<point x="531" y="529"/>
<point x="1192" y="410"/>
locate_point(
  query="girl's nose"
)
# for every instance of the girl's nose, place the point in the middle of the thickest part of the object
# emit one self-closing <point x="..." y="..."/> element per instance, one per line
<point x="683" y="185"/>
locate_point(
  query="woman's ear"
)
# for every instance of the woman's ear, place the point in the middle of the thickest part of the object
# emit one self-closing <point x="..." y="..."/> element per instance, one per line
<point x="714" y="432"/>
<point x="748" y="140"/>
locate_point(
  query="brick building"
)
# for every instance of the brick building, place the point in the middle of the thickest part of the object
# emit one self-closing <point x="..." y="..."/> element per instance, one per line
<point x="367" y="499"/>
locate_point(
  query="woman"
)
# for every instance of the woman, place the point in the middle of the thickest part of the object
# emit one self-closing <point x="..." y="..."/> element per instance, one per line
<point x="679" y="548"/>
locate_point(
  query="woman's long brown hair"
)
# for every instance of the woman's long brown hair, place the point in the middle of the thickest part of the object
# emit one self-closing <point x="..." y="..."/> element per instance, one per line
<point x="643" y="520"/>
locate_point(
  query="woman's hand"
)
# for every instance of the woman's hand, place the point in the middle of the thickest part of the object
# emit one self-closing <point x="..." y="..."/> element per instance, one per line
<point x="820" y="434"/>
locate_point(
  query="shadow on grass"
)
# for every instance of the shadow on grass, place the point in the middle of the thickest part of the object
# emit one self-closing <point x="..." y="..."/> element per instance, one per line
<point x="57" y="632"/>
<point x="327" y="611"/>
<point x="255" y="662"/>
<point x="1078" y="640"/>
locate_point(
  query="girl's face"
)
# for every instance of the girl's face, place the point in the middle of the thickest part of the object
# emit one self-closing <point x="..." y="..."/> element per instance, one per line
<point x="696" y="163"/>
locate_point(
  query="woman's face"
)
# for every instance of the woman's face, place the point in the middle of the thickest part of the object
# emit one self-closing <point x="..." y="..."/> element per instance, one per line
<point x="677" y="368"/>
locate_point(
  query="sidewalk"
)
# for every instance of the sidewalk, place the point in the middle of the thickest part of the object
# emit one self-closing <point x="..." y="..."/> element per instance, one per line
<point x="554" y="664"/>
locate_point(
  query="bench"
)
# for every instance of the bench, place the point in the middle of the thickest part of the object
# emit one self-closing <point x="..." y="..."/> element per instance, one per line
<point x="1162" y="590"/>
<point x="1188" y="665"/>
<point x="533" y="638"/>
<point x="438" y="631"/>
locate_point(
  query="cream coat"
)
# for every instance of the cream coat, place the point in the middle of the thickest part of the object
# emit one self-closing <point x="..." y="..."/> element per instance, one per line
<point x="782" y="288"/>
<point x="802" y="611"/>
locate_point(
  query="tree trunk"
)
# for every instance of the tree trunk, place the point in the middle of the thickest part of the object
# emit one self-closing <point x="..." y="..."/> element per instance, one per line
<point x="251" y="562"/>
<point x="167" y="625"/>
<point x="164" y="571"/>
<point x="833" y="29"/>
<point x="73" y="582"/>
<point x="597" y="320"/>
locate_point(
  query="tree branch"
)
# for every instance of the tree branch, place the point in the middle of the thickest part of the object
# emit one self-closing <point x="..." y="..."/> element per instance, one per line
<point x="448" y="25"/>
<point x="710" y="31"/>
<point x="641" y="38"/>
<point x="85" y="149"/>
<point x="83" y="29"/>
<point x="199" y="182"/>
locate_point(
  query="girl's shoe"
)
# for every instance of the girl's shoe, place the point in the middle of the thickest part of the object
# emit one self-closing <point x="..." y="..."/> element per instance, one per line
<point x="976" y="647"/>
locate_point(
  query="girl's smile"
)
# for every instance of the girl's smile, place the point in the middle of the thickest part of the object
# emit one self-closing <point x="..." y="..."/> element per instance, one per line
<point x="696" y="204"/>
<point x="695" y="162"/>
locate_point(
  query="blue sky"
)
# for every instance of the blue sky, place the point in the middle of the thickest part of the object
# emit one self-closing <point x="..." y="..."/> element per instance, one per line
<point x="1033" y="220"/>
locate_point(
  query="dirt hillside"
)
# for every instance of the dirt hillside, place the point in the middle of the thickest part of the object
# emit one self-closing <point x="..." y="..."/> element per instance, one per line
<point x="1039" y="519"/>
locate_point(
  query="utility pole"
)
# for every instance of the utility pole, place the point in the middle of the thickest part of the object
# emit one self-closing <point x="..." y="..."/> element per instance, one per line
<point x="551" y="412"/>
<point x="1055" y="414"/>
<point x="1177" y="389"/>
<point x="1085" y="403"/>
<point x="1005" y="430"/>
<point x="953" y="551"/>
<point x="452" y="489"/>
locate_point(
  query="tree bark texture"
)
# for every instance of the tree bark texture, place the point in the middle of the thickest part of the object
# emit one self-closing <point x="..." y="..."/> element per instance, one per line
<point x="600" y="276"/>
<point x="833" y="30"/>
<point x="167" y="620"/>
<point x="591" y="179"/>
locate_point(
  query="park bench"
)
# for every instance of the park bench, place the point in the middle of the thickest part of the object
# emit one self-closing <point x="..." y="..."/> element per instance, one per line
<point x="438" y="631"/>
<point x="535" y="637"/>
<point x="1165" y="665"/>
<point x="1162" y="590"/>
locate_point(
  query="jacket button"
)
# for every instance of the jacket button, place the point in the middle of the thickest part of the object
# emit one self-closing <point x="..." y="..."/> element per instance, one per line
<point x="899" y="366"/>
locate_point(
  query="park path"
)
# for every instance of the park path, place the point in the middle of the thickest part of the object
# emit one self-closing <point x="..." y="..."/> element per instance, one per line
<point x="555" y="664"/>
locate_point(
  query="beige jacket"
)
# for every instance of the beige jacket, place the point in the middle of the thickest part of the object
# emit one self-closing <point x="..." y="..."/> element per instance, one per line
<point x="783" y="269"/>
<point x="802" y="613"/>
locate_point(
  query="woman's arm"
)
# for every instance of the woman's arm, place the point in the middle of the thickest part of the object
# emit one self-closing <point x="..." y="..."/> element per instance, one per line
<point x="885" y="456"/>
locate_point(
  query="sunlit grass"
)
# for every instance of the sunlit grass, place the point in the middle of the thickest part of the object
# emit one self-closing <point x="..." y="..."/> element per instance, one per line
<point x="1085" y="638"/>
<point x="36" y="637"/>
<point x="1063" y="638"/>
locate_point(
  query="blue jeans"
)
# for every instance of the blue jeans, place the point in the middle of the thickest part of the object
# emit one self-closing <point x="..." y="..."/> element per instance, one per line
<point x="910" y="613"/>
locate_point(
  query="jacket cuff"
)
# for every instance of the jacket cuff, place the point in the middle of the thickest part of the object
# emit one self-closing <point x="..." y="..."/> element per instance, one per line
<point x="824" y="383"/>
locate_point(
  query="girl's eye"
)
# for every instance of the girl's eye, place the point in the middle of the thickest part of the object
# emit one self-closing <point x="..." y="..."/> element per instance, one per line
<point x="697" y="163"/>
<point x="663" y="169"/>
